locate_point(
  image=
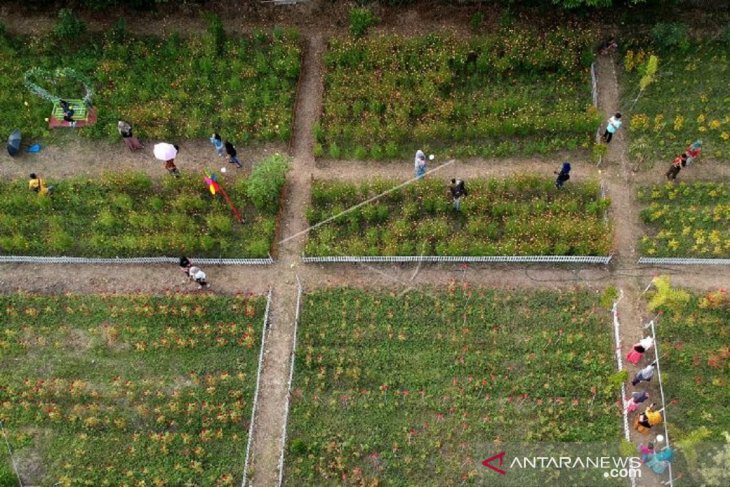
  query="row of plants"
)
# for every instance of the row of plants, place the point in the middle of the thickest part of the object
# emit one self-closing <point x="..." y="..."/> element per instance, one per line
<point x="686" y="220"/>
<point x="83" y="403"/>
<point x="695" y="363"/>
<point x="130" y="214"/>
<point x="522" y="215"/>
<point x="418" y="389"/>
<point x="167" y="88"/>
<point x="687" y="100"/>
<point x="514" y="91"/>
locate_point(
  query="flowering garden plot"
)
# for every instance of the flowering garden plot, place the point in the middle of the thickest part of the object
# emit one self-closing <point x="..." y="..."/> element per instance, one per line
<point x="120" y="390"/>
<point x="687" y="220"/>
<point x="695" y="361"/>
<point x="418" y="389"/>
<point x="689" y="100"/>
<point x="517" y="91"/>
<point x="166" y="87"/>
<point x="124" y="215"/>
<point x="514" y="216"/>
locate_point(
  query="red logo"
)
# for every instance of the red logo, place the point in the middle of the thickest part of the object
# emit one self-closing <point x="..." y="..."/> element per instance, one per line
<point x="488" y="463"/>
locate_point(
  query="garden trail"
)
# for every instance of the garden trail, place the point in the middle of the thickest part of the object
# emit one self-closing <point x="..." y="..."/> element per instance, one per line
<point x="271" y="416"/>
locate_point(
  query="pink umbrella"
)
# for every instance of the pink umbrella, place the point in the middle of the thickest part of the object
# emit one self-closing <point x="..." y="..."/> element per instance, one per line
<point x="164" y="151"/>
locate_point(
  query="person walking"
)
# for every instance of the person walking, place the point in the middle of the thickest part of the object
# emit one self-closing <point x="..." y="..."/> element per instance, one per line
<point x="676" y="166"/>
<point x="170" y="164"/>
<point x="563" y="175"/>
<point x="38" y="184"/>
<point x="198" y="276"/>
<point x="125" y="130"/>
<point x="232" y="153"/>
<point x="458" y="191"/>
<point x="217" y="142"/>
<point x="614" y="123"/>
<point x="644" y="375"/>
<point x="420" y="164"/>
<point x="638" y="349"/>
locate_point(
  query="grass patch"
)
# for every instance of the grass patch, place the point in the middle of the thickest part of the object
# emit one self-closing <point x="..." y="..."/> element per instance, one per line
<point x="688" y="100"/>
<point x="168" y="88"/>
<point x="418" y="389"/>
<point x="129" y="214"/>
<point x="112" y="390"/>
<point x="514" y="216"/>
<point x="686" y="220"/>
<point x="513" y="92"/>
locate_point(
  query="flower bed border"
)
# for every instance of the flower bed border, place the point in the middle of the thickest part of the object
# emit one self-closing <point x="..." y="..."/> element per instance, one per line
<point x="682" y="261"/>
<point x="510" y="259"/>
<point x="37" y="259"/>
<point x="264" y="333"/>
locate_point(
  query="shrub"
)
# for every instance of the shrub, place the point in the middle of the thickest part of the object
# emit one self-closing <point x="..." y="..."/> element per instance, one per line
<point x="265" y="183"/>
<point x="69" y="26"/>
<point x="216" y="35"/>
<point x="670" y="35"/>
<point x="361" y="19"/>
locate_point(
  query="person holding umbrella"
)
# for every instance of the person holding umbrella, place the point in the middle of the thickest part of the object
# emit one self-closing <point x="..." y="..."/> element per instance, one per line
<point x="167" y="152"/>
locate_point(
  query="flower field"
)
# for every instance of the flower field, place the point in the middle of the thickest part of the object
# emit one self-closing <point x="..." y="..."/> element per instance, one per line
<point x="125" y="215"/>
<point x="689" y="100"/>
<point x="418" y="389"/>
<point x="515" y="91"/>
<point x="686" y="220"/>
<point x="695" y="361"/>
<point x="167" y="88"/>
<point x="128" y="390"/>
<point x="515" y="216"/>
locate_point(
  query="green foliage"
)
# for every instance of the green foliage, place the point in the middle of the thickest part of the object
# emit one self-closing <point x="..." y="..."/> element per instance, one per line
<point x="476" y="21"/>
<point x="627" y="449"/>
<point x="265" y="183"/>
<point x="69" y="26"/>
<point x="127" y="214"/>
<point x="216" y="34"/>
<point x="384" y="377"/>
<point x="715" y="471"/>
<point x="665" y="296"/>
<point x="474" y="96"/>
<point x="514" y="216"/>
<point x="609" y="296"/>
<point x="361" y="19"/>
<point x="249" y="91"/>
<point x="649" y="72"/>
<point x="686" y="220"/>
<point x="671" y="35"/>
<point x="168" y="380"/>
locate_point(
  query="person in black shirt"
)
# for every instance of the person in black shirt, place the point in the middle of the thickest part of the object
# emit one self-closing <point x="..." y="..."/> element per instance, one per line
<point x="458" y="191"/>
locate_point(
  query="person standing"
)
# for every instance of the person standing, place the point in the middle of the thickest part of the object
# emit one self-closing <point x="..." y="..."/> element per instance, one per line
<point x="198" y="276"/>
<point x="170" y="163"/>
<point x="420" y="164"/>
<point x="614" y="123"/>
<point x="458" y="191"/>
<point x="693" y="151"/>
<point x="563" y="175"/>
<point x="232" y="153"/>
<point x="636" y="398"/>
<point x="217" y="142"/>
<point x="644" y="374"/>
<point x="38" y="184"/>
<point x="125" y="130"/>
<point x="676" y="166"/>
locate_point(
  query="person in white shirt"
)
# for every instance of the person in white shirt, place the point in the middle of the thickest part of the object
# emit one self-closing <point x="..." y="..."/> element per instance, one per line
<point x="614" y="123"/>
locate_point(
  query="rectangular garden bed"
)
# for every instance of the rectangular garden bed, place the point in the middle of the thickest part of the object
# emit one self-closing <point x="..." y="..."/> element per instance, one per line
<point x="128" y="390"/>
<point x="167" y="88"/>
<point x="418" y="389"/>
<point x="130" y="215"/>
<point x="516" y="216"/>
<point x="686" y="220"/>
<point x="688" y="100"/>
<point x="515" y="91"/>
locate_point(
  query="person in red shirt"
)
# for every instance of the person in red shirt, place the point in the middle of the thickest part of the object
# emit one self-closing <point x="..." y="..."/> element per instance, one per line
<point x="676" y="166"/>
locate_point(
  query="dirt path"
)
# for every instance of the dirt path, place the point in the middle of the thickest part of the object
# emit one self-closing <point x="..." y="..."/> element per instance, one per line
<point x="270" y="419"/>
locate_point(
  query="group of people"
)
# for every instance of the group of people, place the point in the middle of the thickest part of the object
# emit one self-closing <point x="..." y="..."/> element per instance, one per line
<point x="651" y="416"/>
<point x="221" y="147"/>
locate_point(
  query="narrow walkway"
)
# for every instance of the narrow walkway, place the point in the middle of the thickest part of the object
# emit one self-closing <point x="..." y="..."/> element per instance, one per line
<point x="270" y="420"/>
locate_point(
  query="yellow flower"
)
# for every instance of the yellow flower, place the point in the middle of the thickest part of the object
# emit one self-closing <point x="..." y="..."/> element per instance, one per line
<point x="678" y="122"/>
<point x="715" y="124"/>
<point x="725" y="136"/>
<point x="701" y="118"/>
